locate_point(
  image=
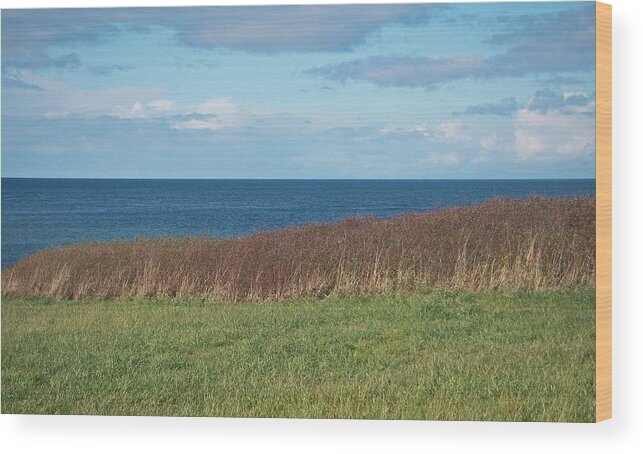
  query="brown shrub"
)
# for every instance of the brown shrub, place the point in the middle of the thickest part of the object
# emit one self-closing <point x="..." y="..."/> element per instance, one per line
<point x="537" y="243"/>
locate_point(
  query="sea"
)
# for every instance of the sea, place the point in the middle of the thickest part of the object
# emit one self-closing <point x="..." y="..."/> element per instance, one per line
<point x="42" y="213"/>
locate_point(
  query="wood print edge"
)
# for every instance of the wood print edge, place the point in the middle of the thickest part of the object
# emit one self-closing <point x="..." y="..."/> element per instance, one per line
<point x="603" y="211"/>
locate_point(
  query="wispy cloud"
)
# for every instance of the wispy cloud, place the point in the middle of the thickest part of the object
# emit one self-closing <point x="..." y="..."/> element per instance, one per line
<point x="556" y="124"/>
<point x="448" y="132"/>
<point x="542" y="101"/>
<point x="14" y="82"/>
<point x="40" y="60"/>
<point x="572" y="102"/>
<point x="213" y="115"/>
<point x="106" y="70"/>
<point x="548" y="42"/>
<point x="557" y="80"/>
<point x="27" y="34"/>
<point x="506" y="106"/>
<point x="545" y="43"/>
<point x="142" y="109"/>
<point x="553" y="134"/>
<point x="297" y="28"/>
<point x="402" y="71"/>
<point x="58" y="99"/>
<point x="551" y="125"/>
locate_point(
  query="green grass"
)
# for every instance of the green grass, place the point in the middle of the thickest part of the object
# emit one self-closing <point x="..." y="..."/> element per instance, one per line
<point x="447" y="356"/>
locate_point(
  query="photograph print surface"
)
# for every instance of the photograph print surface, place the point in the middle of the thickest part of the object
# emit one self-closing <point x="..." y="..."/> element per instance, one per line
<point x="318" y="211"/>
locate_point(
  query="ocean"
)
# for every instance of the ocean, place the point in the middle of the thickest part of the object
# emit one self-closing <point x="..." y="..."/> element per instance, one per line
<point x="41" y="213"/>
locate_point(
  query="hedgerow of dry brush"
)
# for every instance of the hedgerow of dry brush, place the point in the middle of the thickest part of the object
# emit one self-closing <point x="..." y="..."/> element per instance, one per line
<point x="536" y="243"/>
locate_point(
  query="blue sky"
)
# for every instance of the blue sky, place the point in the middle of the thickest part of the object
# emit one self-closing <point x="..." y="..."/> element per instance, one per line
<point x="480" y="90"/>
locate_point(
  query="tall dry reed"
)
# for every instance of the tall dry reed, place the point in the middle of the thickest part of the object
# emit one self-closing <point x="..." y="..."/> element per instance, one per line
<point x="537" y="243"/>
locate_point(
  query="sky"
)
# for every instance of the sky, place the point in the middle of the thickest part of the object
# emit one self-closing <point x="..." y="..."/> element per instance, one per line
<point x="470" y="90"/>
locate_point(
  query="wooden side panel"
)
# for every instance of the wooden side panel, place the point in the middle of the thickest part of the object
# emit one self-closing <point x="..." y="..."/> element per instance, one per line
<point x="603" y="211"/>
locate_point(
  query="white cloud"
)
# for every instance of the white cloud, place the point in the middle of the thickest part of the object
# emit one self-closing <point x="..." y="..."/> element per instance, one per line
<point x="143" y="109"/>
<point x="419" y="129"/>
<point x="217" y="106"/>
<point x="490" y="142"/>
<point x="212" y="123"/>
<point x="448" y="132"/>
<point x="550" y="134"/>
<point x="58" y="99"/>
<point x="62" y="100"/>
<point x="161" y="105"/>
<point x="452" y="131"/>
<point x="215" y="114"/>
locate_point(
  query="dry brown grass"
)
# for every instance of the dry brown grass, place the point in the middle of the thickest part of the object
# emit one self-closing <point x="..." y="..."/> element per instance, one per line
<point x="536" y="243"/>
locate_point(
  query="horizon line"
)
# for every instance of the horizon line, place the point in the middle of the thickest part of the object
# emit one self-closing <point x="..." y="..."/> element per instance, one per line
<point x="290" y="179"/>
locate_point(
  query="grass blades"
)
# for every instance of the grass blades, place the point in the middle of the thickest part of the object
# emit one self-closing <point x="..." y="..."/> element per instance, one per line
<point x="503" y="356"/>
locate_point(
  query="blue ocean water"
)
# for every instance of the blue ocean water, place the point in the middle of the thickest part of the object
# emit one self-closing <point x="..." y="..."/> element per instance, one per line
<point x="40" y="213"/>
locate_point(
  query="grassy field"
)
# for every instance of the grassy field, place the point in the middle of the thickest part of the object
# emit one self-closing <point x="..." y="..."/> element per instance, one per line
<point x="317" y="321"/>
<point x="518" y="356"/>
